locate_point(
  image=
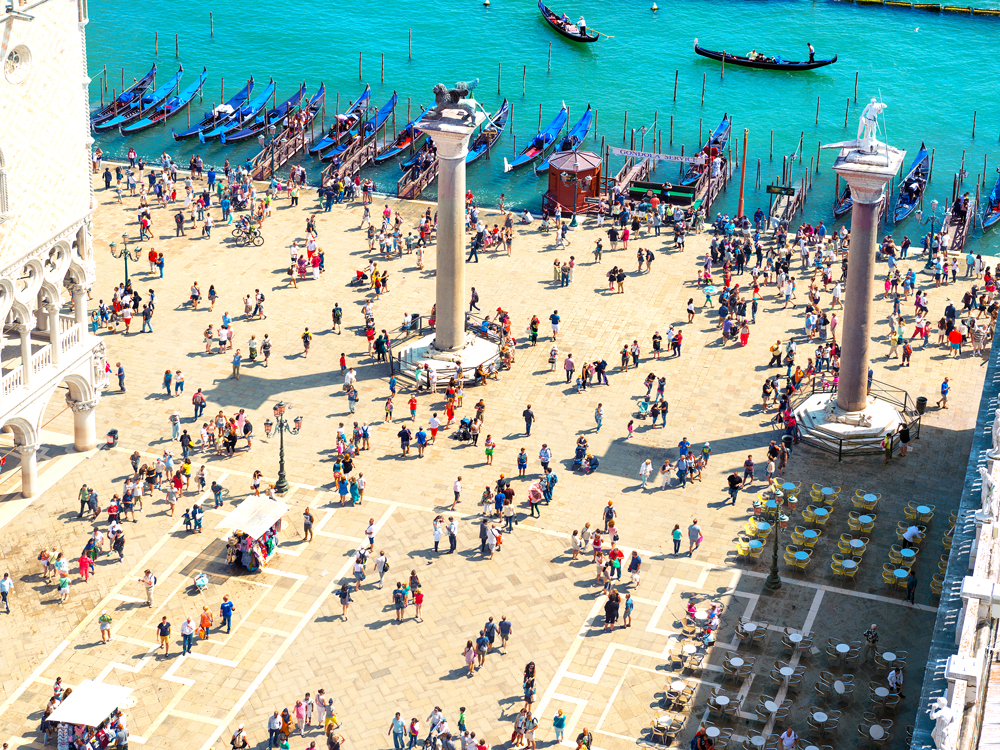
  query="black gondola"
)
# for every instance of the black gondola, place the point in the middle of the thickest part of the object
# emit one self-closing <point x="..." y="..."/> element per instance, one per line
<point x="568" y="30"/>
<point x="762" y="62"/>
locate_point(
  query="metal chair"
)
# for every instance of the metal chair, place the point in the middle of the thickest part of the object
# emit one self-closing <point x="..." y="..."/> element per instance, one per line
<point x="808" y="515"/>
<point x="910" y="513"/>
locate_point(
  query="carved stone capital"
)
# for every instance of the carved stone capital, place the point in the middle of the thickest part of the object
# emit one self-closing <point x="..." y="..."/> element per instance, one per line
<point x="27" y="450"/>
<point x="85" y="405"/>
<point x="21" y="328"/>
<point x="50" y="308"/>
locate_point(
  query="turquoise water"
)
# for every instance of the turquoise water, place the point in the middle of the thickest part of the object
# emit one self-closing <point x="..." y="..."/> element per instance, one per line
<point x="932" y="69"/>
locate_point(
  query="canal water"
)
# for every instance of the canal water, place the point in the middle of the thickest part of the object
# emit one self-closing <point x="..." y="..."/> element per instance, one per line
<point x="934" y="70"/>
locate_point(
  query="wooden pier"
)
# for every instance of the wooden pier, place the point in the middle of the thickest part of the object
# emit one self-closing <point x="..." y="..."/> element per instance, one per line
<point x="411" y="185"/>
<point x="278" y="153"/>
<point x="957" y="229"/>
<point x="785" y="207"/>
<point x="708" y="188"/>
<point x="351" y="161"/>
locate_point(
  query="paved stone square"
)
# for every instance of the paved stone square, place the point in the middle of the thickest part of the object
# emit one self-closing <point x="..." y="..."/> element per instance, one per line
<point x="289" y="636"/>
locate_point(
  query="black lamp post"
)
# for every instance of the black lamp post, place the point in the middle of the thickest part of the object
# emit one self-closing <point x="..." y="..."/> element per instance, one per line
<point x="282" y="426"/>
<point x="125" y="253"/>
<point x="775" y="517"/>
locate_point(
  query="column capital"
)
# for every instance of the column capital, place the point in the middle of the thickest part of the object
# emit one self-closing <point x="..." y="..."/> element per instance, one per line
<point x="50" y="308"/>
<point x="77" y="288"/>
<point x="21" y="328"/>
<point x="28" y="449"/>
<point x="84" y="404"/>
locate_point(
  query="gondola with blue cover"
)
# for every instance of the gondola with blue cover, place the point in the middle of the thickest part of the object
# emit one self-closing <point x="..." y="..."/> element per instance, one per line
<point x="213" y="118"/>
<point x="168" y="109"/>
<point x="268" y="117"/>
<point x="490" y="134"/>
<point x="125" y="98"/>
<point x="540" y="143"/>
<point x="912" y="186"/>
<point x="141" y="105"/>
<point x="364" y="131"/>
<point x="343" y="123"/>
<point x="716" y="143"/>
<point x="572" y="140"/>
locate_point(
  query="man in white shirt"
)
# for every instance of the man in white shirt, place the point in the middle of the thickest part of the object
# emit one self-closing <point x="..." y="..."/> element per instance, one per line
<point x="896" y="681"/>
<point x="149" y="582"/>
<point x="187" y="636"/>
<point x="434" y="423"/>
<point x="457" y="487"/>
<point x="370" y="533"/>
<point x="912" y="536"/>
<point x="351" y="377"/>
<point x="788" y="739"/>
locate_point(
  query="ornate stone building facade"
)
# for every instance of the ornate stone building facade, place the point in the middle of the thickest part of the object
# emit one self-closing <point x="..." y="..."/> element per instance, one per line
<point x="46" y="248"/>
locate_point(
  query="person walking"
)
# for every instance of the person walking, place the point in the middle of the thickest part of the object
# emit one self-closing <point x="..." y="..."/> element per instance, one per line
<point x="187" y="636"/>
<point x="599" y="416"/>
<point x="226" y="610"/>
<point x="163" y="634"/>
<point x="6" y="589"/>
<point x="529" y="418"/>
<point x="397" y="728"/>
<point x="645" y="469"/>
<point x="911" y="586"/>
<point x="871" y="644"/>
<point x="694" y="537"/>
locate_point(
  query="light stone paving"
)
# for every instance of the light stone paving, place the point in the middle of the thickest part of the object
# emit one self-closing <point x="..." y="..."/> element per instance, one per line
<point x="288" y="635"/>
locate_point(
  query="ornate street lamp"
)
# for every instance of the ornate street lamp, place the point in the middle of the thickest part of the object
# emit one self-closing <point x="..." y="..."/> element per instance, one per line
<point x="281" y="426"/>
<point x="125" y="253"/>
<point x="776" y="518"/>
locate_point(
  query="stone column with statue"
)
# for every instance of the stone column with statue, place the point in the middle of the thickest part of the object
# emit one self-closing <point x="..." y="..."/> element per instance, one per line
<point x="450" y="123"/>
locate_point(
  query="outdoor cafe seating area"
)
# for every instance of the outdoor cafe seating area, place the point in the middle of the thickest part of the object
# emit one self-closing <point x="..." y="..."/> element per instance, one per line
<point x="745" y="680"/>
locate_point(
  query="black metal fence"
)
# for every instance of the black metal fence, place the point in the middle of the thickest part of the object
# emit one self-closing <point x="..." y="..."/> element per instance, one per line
<point x="829" y="441"/>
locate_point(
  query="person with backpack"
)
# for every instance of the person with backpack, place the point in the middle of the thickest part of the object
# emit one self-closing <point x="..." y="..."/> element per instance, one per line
<point x="399" y="601"/>
<point x="609" y="514"/>
<point x="550" y="485"/>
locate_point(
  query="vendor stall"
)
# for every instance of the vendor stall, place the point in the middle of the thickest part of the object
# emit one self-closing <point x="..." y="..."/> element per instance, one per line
<point x="90" y="717"/>
<point x="255" y="524"/>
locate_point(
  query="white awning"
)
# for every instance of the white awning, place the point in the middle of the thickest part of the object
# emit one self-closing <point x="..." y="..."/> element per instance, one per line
<point x="90" y="703"/>
<point x="254" y="516"/>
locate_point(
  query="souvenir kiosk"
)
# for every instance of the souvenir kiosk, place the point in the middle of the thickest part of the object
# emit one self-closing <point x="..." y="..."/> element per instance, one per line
<point x="89" y="718"/>
<point x="255" y="524"/>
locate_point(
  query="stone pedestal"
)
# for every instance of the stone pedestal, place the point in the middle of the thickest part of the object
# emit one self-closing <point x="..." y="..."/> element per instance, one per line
<point x="451" y="132"/>
<point x="867" y="174"/>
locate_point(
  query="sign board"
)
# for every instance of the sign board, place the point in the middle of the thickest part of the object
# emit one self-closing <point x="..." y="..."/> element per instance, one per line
<point x="695" y="159"/>
<point x="595" y="201"/>
<point x="780" y="190"/>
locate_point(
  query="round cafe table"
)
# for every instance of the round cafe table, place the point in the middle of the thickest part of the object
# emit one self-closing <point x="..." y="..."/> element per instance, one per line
<point x="857" y="544"/>
<point x="756" y="544"/>
<point x="795" y="638"/>
<point x="908" y="553"/>
<point x="839" y="687"/>
<point x="828" y="491"/>
<point x="678" y="685"/>
<point x="736" y="662"/>
<point x="882" y="692"/>
<point x="870" y="498"/>
<point x="801" y="555"/>
<point x="721" y="700"/>
<point x="821" y="512"/>
<point x="864" y="519"/>
<point x="786" y="672"/>
<point x="690" y="649"/>
<point x="843" y="648"/>
<point x="712" y="732"/>
<point x="757" y="741"/>
<point x="701" y="614"/>
<point x="876" y="731"/>
<point x="787" y="486"/>
<point x="811" y="747"/>
<point x="763" y="526"/>
<point x="888" y="657"/>
<point x="923" y="510"/>
<point x="771" y="706"/>
<point x="750" y="627"/>
<point x="810" y="534"/>
<point x="820" y="717"/>
<point x="849" y="564"/>
<point x="900" y="573"/>
<point x="709" y="290"/>
<point x="771" y="505"/>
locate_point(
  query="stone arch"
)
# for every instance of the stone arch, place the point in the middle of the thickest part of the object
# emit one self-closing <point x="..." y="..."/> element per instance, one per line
<point x="76" y="274"/>
<point x="57" y="261"/>
<point x="28" y="287"/>
<point x="52" y="291"/>
<point x="24" y="432"/>
<point x="23" y="313"/>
